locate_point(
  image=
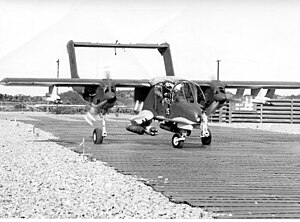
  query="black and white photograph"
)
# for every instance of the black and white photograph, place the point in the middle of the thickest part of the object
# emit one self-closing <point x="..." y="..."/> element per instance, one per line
<point x="125" y="109"/>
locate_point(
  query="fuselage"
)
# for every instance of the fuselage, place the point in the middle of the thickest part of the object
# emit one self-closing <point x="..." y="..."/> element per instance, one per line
<point x="178" y="100"/>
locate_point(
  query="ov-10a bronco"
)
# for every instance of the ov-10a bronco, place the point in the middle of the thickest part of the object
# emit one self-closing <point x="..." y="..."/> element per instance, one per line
<point x="179" y="105"/>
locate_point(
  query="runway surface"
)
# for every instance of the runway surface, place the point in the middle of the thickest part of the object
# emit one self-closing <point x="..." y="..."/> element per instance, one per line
<point x="244" y="173"/>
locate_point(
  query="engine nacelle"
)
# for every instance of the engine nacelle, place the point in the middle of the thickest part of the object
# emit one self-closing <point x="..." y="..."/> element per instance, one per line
<point x="166" y="127"/>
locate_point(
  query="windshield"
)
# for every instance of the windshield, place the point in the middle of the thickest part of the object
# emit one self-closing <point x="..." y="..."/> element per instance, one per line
<point x="200" y="95"/>
<point x="183" y="92"/>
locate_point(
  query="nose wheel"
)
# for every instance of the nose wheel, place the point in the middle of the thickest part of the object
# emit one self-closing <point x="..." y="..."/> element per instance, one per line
<point x="178" y="140"/>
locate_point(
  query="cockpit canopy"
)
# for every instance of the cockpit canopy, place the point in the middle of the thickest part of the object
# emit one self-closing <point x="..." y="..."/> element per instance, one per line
<point x="187" y="91"/>
<point x="179" y="91"/>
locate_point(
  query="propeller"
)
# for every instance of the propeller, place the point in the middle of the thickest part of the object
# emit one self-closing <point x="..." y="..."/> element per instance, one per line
<point x="217" y="96"/>
<point x="107" y="100"/>
<point x="92" y="111"/>
<point x="219" y="91"/>
<point x="109" y="93"/>
<point x="212" y="108"/>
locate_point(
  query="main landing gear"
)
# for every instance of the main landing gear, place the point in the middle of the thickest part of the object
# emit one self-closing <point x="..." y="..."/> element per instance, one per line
<point x="206" y="140"/>
<point x="205" y="134"/>
<point x="99" y="134"/>
<point x="179" y="138"/>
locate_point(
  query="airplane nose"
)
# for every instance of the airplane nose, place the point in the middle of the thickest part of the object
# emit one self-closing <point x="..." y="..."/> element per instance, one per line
<point x="110" y="97"/>
<point x="190" y="111"/>
<point x="220" y="96"/>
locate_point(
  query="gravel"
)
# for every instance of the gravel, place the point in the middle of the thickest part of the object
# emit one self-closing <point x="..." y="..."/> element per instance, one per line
<point x="41" y="179"/>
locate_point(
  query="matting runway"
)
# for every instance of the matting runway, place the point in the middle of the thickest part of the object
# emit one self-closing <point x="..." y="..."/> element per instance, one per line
<point x="245" y="173"/>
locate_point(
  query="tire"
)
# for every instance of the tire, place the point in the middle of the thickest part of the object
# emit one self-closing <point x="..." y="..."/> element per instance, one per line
<point x="97" y="136"/>
<point x="206" y="140"/>
<point x="175" y="142"/>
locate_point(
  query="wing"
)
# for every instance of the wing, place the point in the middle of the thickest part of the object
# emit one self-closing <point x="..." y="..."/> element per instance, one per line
<point x="69" y="82"/>
<point x="254" y="84"/>
<point x="261" y="84"/>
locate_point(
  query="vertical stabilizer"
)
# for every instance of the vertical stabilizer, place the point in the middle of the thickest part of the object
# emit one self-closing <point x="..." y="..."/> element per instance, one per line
<point x="72" y="59"/>
<point x="256" y="92"/>
<point x="270" y="93"/>
<point x="166" y="53"/>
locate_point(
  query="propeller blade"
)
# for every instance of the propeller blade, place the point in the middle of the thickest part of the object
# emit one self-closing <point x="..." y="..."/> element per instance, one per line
<point x="96" y="108"/>
<point x="89" y="121"/>
<point x="93" y="110"/>
<point x="233" y="98"/>
<point x="88" y="117"/>
<point x="212" y="108"/>
<point x="108" y="79"/>
<point x="110" y="93"/>
<point x="212" y="77"/>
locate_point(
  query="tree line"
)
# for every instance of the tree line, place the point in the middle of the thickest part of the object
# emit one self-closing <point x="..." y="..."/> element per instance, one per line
<point x="20" y="98"/>
<point x="125" y="97"/>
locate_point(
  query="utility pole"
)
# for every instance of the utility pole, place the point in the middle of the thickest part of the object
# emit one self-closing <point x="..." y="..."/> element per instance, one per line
<point x="57" y="87"/>
<point x="57" y="68"/>
<point x="57" y="74"/>
<point x="218" y="74"/>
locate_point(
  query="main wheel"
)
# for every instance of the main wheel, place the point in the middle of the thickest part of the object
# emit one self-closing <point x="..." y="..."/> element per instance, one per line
<point x="97" y="136"/>
<point x="206" y="140"/>
<point x="176" y="142"/>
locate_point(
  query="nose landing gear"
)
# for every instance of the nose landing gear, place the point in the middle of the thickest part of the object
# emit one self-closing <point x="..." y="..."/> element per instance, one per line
<point x="179" y="138"/>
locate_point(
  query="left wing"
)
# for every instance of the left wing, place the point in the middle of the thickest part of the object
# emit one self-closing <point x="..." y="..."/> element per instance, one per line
<point x="68" y="82"/>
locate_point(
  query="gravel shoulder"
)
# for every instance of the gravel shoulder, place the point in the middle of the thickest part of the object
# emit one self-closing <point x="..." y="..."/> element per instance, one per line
<point x="41" y="179"/>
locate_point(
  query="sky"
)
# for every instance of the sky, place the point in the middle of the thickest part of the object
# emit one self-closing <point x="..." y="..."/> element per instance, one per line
<point x="255" y="40"/>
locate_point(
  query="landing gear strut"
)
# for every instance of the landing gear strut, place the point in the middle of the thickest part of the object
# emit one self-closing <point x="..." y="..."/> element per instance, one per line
<point x="205" y="134"/>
